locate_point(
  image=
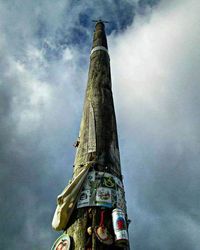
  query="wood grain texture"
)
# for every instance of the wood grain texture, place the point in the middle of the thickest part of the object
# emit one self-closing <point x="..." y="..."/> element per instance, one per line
<point x="99" y="107"/>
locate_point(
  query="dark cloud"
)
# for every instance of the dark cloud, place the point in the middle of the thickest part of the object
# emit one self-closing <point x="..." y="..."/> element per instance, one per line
<point x="44" y="51"/>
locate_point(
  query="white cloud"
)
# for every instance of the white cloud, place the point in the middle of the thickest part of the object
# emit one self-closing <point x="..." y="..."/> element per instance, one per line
<point x="155" y="70"/>
<point x="67" y="55"/>
<point x="154" y="65"/>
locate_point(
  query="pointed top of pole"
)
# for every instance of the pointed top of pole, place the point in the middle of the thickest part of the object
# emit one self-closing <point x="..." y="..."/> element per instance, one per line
<point x="99" y="38"/>
<point x="100" y="21"/>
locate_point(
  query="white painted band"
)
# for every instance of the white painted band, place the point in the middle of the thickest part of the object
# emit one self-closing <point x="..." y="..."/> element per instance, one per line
<point x="99" y="48"/>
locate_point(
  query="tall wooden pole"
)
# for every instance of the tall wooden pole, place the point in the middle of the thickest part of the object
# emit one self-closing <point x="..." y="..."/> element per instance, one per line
<point x="97" y="144"/>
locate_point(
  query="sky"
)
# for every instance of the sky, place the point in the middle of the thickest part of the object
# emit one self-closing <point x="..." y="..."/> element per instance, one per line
<point x="154" y="47"/>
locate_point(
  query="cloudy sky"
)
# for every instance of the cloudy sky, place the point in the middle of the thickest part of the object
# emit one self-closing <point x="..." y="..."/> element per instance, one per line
<point x="155" y="60"/>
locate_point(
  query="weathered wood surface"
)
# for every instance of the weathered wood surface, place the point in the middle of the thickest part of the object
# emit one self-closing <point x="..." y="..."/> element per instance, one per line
<point x="99" y="96"/>
<point x="98" y="141"/>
